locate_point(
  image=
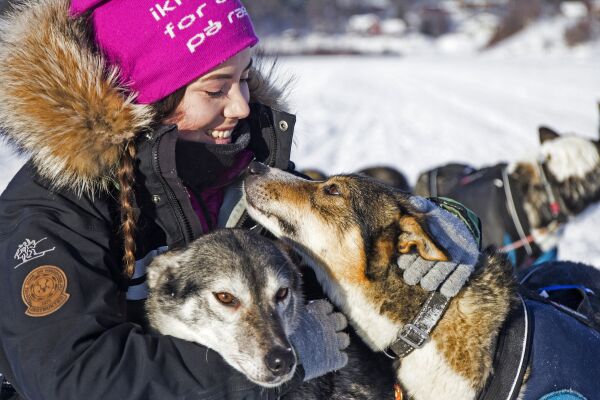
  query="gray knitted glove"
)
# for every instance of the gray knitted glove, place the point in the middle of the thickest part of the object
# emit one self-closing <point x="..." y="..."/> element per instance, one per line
<point x="454" y="236"/>
<point x="318" y="340"/>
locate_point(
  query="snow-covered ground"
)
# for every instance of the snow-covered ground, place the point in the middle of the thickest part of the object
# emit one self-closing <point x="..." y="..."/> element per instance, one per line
<point x="437" y="106"/>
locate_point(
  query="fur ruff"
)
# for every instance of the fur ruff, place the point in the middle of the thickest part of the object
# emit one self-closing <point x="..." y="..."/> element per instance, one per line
<point x="62" y="105"/>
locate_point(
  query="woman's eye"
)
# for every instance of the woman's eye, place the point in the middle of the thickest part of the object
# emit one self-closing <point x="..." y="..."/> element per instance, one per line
<point x="332" y="190"/>
<point x="282" y="294"/>
<point x="220" y="93"/>
<point x="227" y="299"/>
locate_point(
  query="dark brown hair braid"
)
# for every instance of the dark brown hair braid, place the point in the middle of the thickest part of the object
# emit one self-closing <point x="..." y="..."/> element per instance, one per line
<point x="126" y="177"/>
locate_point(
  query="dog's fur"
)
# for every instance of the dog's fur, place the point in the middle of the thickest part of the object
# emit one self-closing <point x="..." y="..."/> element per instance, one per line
<point x="314" y="174"/>
<point x="353" y="229"/>
<point x="388" y="175"/>
<point x="182" y="300"/>
<point x="181" y="303"/>
<point x="572" y="168"/>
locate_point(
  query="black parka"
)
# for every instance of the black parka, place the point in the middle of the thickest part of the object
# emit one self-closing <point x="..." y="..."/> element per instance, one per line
<point x="67" y="330"/>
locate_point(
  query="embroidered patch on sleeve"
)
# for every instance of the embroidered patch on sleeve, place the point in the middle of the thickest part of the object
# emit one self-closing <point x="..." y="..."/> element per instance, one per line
<point x="44" y="291"/>
<point x="28" y="251"/>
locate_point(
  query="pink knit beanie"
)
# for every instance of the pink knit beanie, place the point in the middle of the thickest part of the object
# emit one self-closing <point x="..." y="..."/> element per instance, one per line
<point x="162" y="45"/>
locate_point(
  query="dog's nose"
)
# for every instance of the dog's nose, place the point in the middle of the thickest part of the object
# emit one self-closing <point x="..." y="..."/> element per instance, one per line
<point x="280" y="361"/>
<point x="257" y="168"/>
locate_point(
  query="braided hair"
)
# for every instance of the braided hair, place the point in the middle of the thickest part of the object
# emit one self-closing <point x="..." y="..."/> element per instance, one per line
<point x="126" y="177"/>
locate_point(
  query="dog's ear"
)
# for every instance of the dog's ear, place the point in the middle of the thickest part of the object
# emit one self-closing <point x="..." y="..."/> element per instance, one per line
<point x="287" y="248"/>
<point x="525" y="174"/>
<point x="547" y="134"/>
<point x="381" y="251"/>
<point x="414" y="236"/>
<point x="295" y="262"/>
<point x="161" y="266"/>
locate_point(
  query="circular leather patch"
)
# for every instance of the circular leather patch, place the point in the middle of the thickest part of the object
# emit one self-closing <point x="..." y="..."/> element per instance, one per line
<point x="44" y="291"/>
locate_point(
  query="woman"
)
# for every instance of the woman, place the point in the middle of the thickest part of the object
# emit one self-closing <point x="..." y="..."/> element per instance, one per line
<point x="139" y="118"/>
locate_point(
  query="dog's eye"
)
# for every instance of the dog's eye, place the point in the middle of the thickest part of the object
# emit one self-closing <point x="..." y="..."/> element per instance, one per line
<point x="332" y="190"/>
<point x="282" y="294"/>
<point x="227" y="299"/>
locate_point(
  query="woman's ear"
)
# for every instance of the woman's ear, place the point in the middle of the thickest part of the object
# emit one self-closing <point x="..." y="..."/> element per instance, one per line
<point x="413" y="236"/>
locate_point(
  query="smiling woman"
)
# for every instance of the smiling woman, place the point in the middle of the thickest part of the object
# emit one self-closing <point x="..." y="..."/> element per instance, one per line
<point x="138" y="146"/>
<point x="141" y="134"/>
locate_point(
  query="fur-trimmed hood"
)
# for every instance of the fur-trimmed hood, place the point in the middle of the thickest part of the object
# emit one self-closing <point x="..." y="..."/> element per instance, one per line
<point x="62" y="105"/>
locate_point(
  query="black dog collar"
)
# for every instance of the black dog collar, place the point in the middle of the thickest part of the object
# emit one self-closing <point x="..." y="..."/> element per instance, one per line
<point x="415" y="334"/>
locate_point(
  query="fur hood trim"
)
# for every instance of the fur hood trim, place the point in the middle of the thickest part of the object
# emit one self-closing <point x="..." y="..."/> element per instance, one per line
<point x="59" y="102"/>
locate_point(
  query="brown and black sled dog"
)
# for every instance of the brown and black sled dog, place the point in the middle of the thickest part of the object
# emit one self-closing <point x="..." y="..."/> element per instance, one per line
<point x="352" y="229"/>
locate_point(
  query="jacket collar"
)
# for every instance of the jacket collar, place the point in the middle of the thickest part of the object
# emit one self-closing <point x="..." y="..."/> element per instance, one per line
<point x="163" y="198"/>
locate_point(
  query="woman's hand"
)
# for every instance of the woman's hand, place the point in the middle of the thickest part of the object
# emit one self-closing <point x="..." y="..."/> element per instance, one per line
<point x="319" y="341"/>
<point x="453" y="235"/>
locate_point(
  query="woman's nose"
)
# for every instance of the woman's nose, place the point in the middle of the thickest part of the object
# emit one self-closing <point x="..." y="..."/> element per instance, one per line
<point x="237" y="107"/>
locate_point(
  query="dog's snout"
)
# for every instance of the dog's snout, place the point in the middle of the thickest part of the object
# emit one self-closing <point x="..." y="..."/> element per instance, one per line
<point x="280" y="361"/>
<point x="256" y="168"/>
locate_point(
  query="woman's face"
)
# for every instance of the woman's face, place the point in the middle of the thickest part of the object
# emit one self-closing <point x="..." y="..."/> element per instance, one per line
<point x="214" y="103"/>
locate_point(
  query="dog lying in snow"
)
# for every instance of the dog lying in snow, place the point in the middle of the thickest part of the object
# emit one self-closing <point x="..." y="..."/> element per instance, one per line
<point x="353" y="229"/>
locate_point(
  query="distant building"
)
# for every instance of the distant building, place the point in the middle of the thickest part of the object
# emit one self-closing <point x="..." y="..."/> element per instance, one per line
<point x="363" y="6"/>
<point x="364" y="24"/>
<point x="482" y="4"/>
<point x="433" y="21"/>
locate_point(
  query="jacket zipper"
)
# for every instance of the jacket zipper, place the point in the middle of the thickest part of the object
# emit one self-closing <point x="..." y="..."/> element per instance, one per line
<point x="171" y="197"/>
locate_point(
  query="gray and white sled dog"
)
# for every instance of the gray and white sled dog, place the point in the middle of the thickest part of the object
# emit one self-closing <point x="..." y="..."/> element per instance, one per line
<point x="233" y="292"/>
<point x="239" y="294"/>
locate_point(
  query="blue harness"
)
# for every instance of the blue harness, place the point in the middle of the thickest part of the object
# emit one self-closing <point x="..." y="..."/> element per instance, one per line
<point x="560" y="353"/>
<point x="565" y="356"/>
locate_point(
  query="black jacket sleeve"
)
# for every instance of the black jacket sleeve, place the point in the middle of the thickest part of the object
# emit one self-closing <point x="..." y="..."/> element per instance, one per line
<point x="63" y="331"/>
